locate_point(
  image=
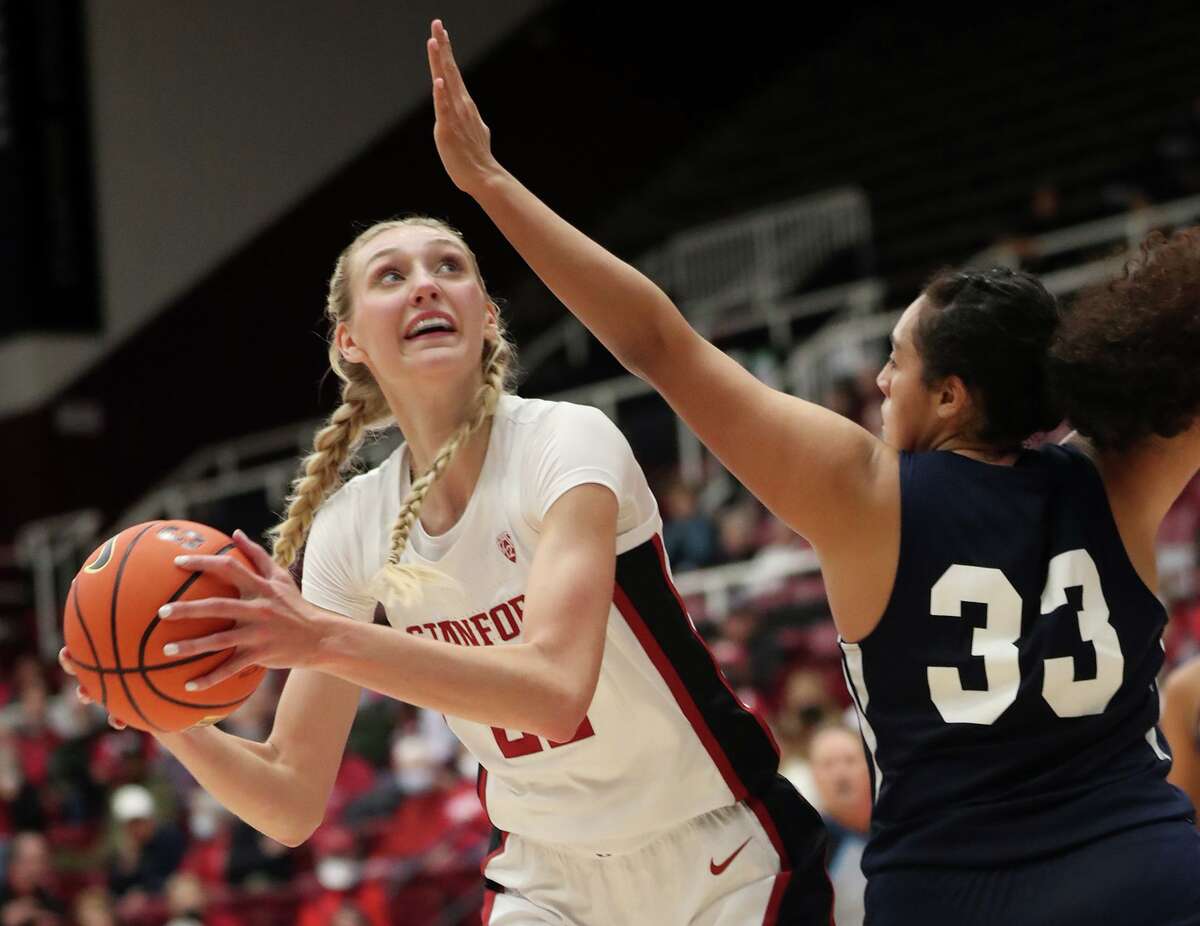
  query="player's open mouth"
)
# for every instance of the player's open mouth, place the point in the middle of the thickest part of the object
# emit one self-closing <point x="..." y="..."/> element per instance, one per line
<point x="428" y="324"/>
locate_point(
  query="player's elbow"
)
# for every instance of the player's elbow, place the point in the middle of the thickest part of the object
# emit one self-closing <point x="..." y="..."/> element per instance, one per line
<point x="655" y="341"/>
<point x="295" y="821"/>
<point x="563" y="722"/>
<point x="564" y="710"/>
<point x="290" y="839"/>
<point x="295" y="833"/>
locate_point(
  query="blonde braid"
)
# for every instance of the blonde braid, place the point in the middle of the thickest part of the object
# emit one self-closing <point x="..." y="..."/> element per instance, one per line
<point x="321" y="471"/>
<point x="401" y="583"/>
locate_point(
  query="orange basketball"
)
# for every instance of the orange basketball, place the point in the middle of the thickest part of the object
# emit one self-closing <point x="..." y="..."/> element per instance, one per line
<point x="115" y="637"/>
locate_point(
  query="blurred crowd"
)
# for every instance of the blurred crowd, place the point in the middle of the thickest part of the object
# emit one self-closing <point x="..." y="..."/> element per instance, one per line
<point x="101" y="826"/>
<point x="1169" y="170"/>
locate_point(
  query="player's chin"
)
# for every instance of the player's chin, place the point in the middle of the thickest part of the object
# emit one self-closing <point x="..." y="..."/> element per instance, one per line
<point x="886" y="429"/>
<point x="447" y="364"/>
<point x="896" y="440"/>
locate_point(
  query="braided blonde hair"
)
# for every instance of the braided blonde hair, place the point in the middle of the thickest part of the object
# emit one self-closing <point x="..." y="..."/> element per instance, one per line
<point x="363" y="409"/>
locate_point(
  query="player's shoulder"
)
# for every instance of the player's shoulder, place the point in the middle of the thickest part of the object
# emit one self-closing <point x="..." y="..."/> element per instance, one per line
<point x="529" y="417"/>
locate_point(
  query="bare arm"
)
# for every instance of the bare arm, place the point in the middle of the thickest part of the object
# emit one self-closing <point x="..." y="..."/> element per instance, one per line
<point x="543" y="684"/>
<point x="820" y="473"/>
<point x="1181" y="724"/>
<point x="1152" y="475"/>
<point x="279" y="787"/>
<point x="1142" y="484"/>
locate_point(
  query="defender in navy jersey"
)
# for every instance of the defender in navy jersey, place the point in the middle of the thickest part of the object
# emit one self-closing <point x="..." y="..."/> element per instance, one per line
<point x="996" y="604"/>
<point x="1008" y="692"/>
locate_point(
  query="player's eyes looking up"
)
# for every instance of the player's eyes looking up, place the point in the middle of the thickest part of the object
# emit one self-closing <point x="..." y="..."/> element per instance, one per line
<point x="393" y="275"/>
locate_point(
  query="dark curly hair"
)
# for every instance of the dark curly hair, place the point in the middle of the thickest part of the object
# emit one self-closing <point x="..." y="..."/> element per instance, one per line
<point x="992" y="329"/>
<point x="1125" y="361"/>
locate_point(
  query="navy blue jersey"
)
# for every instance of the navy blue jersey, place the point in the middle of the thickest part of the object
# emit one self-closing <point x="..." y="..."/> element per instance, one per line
<point x="1007" y="696"/>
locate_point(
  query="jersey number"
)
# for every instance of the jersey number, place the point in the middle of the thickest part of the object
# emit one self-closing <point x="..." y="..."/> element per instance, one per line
<point x="996" y="642"/>
<point x="513" y="746"/>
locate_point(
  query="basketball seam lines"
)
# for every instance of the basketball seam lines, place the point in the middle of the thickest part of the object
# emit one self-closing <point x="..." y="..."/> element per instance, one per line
<point x="130" y="670"/>
<point x="91" y="644"/>
<point x="144" y="670"/>
<point x="113" y="619"/>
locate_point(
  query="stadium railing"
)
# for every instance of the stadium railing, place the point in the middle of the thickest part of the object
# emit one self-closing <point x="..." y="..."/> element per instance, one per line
<point x="753" y="261"/>
<point x="1122" y="233"/>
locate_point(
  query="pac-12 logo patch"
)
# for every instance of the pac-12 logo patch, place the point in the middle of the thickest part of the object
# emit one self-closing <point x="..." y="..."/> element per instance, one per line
<point x="505" y="542"/>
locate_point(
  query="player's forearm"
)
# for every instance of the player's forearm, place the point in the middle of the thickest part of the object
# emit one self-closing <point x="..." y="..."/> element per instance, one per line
<point x="248" y="778"/>
<point x="627" y="311"/>
<point x="516" y="687"/>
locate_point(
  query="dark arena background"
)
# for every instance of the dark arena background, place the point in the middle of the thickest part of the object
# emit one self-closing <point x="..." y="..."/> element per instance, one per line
<point x="176" y="181"/>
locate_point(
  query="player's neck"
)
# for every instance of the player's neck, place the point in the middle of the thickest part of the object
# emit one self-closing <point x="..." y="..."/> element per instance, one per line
<point x="449" y="496"/>
<point x="1000" y="456"/>
<point x="429" y="414"/>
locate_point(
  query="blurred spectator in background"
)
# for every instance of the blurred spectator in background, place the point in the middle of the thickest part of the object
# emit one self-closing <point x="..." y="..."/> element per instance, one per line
<point x="737" y="530"/>
<point x="689" y="535"/>
<point x="839" y="768"/>
<point x="341" y="875"/>
<point x="1177" y="170"/>
<point x="870" y="398"/>
<point x="145" y="851"/>
<point x="93" y="907"/>
<point x="399" y="778"/>
<point x="28" y="897"/>
<point x="844" y="397"/>
<point x="27" y="720"/>
<point x="20" y="803"/>
<point x="253" y="719"/>
<point x="120" y="757"/>
<point x="188" y="904"/>
<point x="257" y="862"/>
<point x="804" y="706"/>
<point x="1044" y="214"/>
<point x="778" y="551"/>
<point x="223" y="850"/>
<point x="349" y="915"/>
<point x="733" y="649"/>
<point x="208" y="827"/>
<point x="355" y="778"/>
<point x="1176" y="552"/>
<point x="438" y="834"/>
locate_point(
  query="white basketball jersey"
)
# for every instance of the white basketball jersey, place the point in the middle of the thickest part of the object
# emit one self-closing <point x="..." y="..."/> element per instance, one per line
<point x="664" y="739"/>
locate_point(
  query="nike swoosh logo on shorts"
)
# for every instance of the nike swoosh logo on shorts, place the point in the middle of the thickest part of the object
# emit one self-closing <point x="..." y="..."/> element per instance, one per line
<point x="718" y="869"/>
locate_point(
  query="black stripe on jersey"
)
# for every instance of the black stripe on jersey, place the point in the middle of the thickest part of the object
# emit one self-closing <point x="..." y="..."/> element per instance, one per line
<point x="494" y="847"/>
<point x="805" y="895"/>
<point x="737" y="740"/>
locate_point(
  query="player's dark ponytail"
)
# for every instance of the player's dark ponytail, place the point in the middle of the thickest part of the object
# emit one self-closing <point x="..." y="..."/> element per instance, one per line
<point x="993" y="329"/>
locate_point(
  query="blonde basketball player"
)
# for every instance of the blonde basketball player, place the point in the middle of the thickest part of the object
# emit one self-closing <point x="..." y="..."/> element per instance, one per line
<point x="515" y="548"/>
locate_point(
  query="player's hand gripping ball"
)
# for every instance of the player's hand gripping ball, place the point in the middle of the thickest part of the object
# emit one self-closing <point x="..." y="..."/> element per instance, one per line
<point x="115" y="637"/>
